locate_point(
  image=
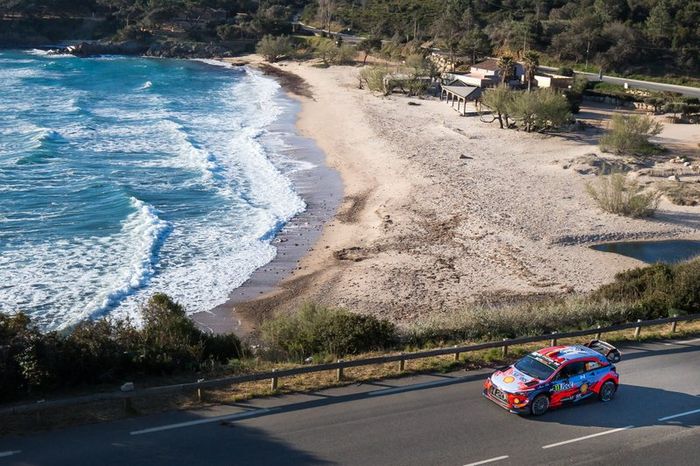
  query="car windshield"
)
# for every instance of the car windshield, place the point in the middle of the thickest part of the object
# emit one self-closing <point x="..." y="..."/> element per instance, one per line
<point x="534" y="367"/>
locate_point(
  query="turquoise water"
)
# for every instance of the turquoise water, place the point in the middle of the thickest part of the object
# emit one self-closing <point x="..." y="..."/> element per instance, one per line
<point x="120" y="177"/>
<point x="670" y="251"/>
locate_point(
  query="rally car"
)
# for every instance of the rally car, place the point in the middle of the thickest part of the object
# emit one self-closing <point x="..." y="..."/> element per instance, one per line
<point x="554" y="376"/>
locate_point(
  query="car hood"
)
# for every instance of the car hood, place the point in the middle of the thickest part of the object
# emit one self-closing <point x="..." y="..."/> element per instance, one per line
<point x="512" y="380"/>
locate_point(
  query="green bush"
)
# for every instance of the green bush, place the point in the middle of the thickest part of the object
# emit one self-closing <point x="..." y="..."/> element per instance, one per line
<point x="106" y="351"/>
<point x="629" y="134"/>
<point x="619" y="195"/>
<point x="656" y="290"/>
<point x="319" y="330"/>
<point x="273" y="49"/>
<point x="373" y="77"/>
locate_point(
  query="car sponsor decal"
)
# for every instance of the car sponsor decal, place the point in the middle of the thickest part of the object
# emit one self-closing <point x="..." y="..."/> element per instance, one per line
<point x="584" y="388"/>
<point x="509" y="379"/>
<point x="561" y="386"/>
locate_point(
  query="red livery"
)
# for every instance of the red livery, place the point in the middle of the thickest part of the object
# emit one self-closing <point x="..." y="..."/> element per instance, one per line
<point x="554" y="376"/>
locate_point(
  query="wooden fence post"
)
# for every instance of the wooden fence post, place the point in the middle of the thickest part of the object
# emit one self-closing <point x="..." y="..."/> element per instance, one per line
<point x="402" y="363"/>
<point x="673" y="326"/>
<point x="339" y="372"/>
<point x="273" y="381"/>
<point x="553" y="341"/>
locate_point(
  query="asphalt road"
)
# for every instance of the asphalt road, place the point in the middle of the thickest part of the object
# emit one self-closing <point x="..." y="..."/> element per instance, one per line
<point x="637" y="84"/>
<point x="426" y="420"/>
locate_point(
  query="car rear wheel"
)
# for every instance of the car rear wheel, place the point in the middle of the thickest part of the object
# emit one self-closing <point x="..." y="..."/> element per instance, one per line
<point x="607" y="391"/>
<point x="539" y="405"/>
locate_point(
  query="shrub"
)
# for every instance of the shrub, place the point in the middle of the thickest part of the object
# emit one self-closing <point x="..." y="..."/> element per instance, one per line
<point x="346" y="55"/>
<point x="106" y="350"/>
<point x="617" y="194"/>
<point x="319" y="330"/>
<point x="656" y="290"/>
<point x="373" y="77"/>
<point x="565" y="71"/>
<point x="273" y="49"/>
<point x="630" y="134"/>
<point x="517" y="320"/>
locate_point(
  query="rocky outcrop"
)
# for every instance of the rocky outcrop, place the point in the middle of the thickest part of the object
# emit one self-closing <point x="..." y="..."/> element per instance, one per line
<point x="167" y="49"/>
<point x="92" y="49"/>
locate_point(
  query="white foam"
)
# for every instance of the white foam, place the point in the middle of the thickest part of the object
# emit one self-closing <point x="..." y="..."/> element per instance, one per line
<point x="198" y="260"/>
<point x="146" y="85"/>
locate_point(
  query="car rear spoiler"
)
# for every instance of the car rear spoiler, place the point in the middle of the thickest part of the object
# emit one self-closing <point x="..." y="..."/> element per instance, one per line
<point x="611" y="353"/>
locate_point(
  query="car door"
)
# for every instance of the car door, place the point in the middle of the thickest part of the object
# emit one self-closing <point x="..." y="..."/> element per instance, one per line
<point x="568" y="382"/>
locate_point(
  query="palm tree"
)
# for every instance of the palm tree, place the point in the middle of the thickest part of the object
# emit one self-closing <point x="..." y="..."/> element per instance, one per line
<point x="532" y="61"/>
<point x="506" y="65"/>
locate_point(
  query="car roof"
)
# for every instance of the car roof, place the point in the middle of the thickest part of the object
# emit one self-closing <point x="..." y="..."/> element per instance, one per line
<point x="562" y="354"/>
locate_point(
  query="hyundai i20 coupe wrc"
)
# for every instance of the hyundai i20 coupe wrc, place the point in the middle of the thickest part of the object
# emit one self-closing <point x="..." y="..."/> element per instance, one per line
<point x="554" y="376"/>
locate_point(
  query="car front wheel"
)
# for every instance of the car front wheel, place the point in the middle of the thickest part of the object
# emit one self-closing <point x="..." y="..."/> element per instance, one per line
<point x="539" y="405"/>
<point x="607" y="391"/>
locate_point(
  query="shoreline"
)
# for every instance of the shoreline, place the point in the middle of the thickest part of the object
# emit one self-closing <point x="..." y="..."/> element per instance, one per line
<point x="321" y="189"/>
<point x="440" y="211"/>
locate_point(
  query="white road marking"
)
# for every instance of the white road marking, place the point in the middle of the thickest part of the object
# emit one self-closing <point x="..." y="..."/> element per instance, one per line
<point x="4" y="454"/>
<point x="229" y="417"/>
<point x="405" y="388"/>
<point x="587" y="437"/>
<point x="687" y="413"/>
<point x="684" y="342"/>
<point x="498" y="458"/>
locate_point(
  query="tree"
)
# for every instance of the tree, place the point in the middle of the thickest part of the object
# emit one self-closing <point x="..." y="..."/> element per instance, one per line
<point x="532" y="61"/>
<point x="506" y="66"/>
<point x="368" y="46"/>
<point x="326" y="10"/>
<point x="273" y="49"/>
<point x="499" y="100"/>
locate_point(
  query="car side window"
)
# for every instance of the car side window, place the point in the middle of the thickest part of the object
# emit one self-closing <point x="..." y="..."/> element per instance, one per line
<point x="592" y="365"/>
<point x="573" y="369"/>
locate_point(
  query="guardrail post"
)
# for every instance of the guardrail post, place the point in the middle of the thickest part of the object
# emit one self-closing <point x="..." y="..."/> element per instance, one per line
<point x="128" y="408"/>
<point x="553" y="341"/>
<point x="637" y="329"/>
<point x="273" y="381"/>
<point x="597" y="335"/>
<point x="402" y="364"/>
<point x="339" y="372"/>
<point x="673" y="326"/>
<point x="199" y="395"/>
<point x="456" y="354"/>
<point x="505" y="348"/>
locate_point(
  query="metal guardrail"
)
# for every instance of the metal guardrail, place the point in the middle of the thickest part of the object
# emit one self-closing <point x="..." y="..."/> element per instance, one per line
<point x="339" y="366"/>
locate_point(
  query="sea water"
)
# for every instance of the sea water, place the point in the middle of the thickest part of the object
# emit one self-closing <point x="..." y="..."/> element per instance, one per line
<point x="121" y="177"/>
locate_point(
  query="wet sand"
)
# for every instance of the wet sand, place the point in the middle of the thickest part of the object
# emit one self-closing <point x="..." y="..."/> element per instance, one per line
<point x="322" y="190"/>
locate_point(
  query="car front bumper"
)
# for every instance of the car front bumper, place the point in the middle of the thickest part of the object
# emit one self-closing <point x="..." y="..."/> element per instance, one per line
<point x="505" y="405"/>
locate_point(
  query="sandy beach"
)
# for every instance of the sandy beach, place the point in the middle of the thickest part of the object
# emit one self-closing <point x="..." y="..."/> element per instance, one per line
<point x="440" y="210"/>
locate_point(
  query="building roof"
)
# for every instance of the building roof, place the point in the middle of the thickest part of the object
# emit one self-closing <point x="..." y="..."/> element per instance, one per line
<point x="490" y="64"/>
<point x="461" y="91"/>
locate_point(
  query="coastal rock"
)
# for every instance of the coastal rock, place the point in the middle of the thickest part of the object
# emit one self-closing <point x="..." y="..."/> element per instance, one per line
<point x="91" y="49"/>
